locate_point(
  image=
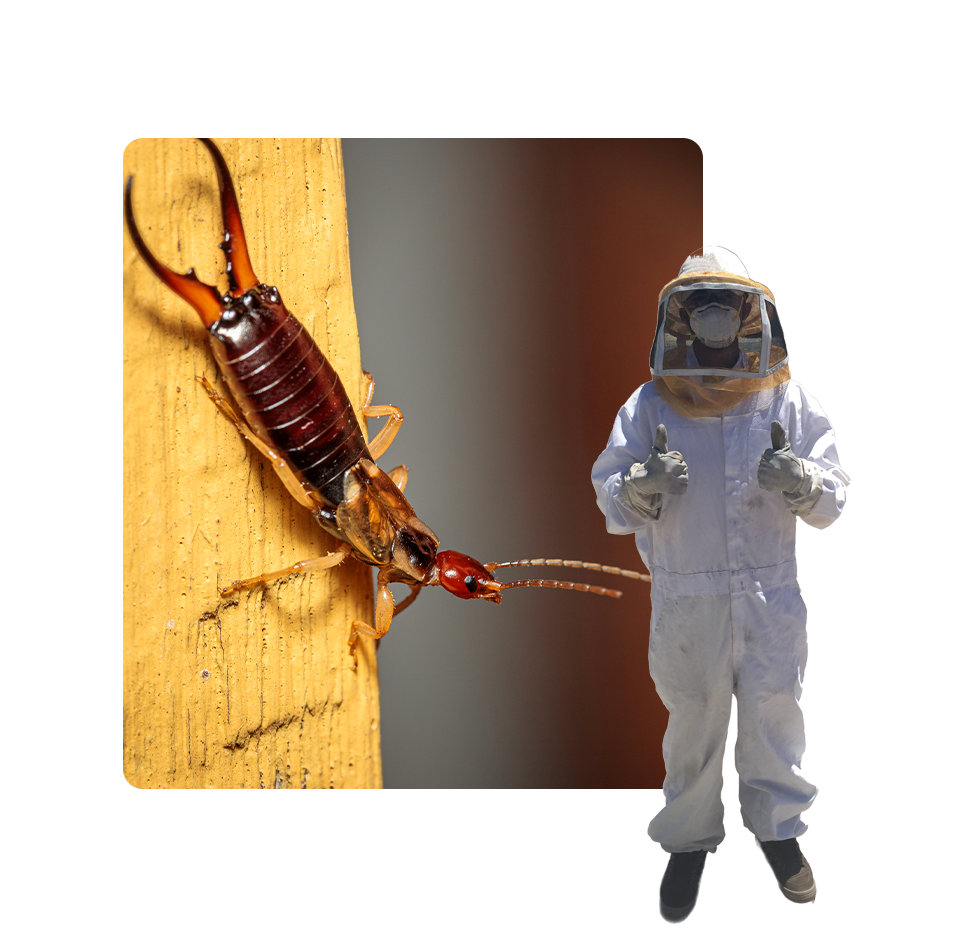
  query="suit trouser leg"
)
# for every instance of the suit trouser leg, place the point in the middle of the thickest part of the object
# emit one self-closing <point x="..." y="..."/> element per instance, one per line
<point x="690" y="661"/>
<point x="770" y="652"/>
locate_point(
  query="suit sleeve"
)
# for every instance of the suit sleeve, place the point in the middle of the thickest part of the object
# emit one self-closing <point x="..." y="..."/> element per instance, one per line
<point x="630" y="442"/>
<point x="813" y="440"/>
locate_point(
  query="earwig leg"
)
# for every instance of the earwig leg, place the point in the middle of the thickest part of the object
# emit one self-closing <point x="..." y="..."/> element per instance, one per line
<point x="279" y="464"/>
<point x="382" y="440"/>
<point x="399" y="475"/>
<point x="383" y="615"/>
<point x="409" y="600"/>
<point x="368" y="393"/>
<point x="329" y="560"/>
<point x="225" y="407"/>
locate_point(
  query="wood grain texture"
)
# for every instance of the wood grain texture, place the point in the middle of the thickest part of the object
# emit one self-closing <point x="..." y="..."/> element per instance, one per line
<point x="253" y="691"/>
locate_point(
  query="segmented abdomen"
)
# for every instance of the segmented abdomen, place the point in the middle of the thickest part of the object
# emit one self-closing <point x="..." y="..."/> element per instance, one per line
<point x="288" y="391"/>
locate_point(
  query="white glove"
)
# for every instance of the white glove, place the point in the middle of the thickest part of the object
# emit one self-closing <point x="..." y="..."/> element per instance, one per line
<point x="799" y="481"/>
<point x="665" y="471"/>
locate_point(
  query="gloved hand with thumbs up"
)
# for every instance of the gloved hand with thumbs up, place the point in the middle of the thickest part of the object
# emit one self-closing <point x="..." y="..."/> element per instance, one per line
<point x="781" y="469"/>
<point x="665" y="471"/>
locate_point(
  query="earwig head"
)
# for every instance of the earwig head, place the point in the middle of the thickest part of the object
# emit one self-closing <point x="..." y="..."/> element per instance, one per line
<point x="466" y="578"/>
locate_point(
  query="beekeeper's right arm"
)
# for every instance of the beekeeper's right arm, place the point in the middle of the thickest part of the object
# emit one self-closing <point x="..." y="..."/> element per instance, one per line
<point x="628" y="482"/>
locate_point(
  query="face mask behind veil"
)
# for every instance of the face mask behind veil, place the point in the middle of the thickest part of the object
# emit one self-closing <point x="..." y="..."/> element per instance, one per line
<point x="715" y="325"/>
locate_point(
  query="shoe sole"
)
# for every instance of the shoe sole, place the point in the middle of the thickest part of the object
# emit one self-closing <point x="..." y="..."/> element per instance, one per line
<point x="672" y="914"/>
<point x="803" y="896"/>
<point x="796" y="896"/>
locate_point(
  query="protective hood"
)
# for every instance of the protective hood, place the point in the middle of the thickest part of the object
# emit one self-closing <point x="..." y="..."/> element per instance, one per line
<point x="718" y="337"/>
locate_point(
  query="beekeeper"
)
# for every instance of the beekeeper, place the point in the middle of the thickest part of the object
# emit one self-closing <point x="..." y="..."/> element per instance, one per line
<point x="708" y="465"/>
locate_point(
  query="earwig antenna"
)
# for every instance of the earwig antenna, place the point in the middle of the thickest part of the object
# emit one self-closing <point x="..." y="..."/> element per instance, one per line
<point x="570" y="563"/>
<point x="567" y="585"/>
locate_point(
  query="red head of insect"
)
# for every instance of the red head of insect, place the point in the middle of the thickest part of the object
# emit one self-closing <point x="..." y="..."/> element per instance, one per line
<point x="466" y="578"/>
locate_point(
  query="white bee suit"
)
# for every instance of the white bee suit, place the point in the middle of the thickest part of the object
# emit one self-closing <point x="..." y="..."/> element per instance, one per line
<point x="727" y="613"/>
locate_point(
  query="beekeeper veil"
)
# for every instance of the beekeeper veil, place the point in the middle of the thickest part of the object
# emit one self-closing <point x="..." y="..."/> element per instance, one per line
<point x="718" y="338"/>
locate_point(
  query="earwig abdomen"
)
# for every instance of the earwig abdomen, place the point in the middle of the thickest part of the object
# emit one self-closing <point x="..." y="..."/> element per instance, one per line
<point x="287" y="390"/>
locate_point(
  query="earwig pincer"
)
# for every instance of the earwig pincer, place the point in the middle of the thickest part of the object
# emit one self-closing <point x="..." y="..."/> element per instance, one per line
<point x="291" y="405"/>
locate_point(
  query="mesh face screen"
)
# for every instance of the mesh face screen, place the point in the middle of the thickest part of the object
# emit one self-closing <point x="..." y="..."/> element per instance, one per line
<point x="699" y="298"/>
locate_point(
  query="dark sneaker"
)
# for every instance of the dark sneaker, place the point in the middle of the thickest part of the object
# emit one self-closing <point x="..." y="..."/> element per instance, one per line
<point x="680" y="884"/>
<point x="790" y="867"/>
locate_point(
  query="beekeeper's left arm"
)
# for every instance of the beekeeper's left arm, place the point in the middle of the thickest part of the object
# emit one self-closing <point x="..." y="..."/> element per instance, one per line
<point x="805" y="468"/>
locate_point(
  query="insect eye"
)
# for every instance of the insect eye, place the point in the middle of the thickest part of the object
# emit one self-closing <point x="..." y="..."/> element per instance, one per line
<point x="471" y="583"/>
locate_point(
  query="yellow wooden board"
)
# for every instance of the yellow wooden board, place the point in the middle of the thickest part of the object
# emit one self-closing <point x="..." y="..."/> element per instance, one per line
<point x="256" y="690"/>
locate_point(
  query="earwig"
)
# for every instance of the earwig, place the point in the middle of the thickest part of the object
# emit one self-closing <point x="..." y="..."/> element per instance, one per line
<point x="291" y="405"/>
